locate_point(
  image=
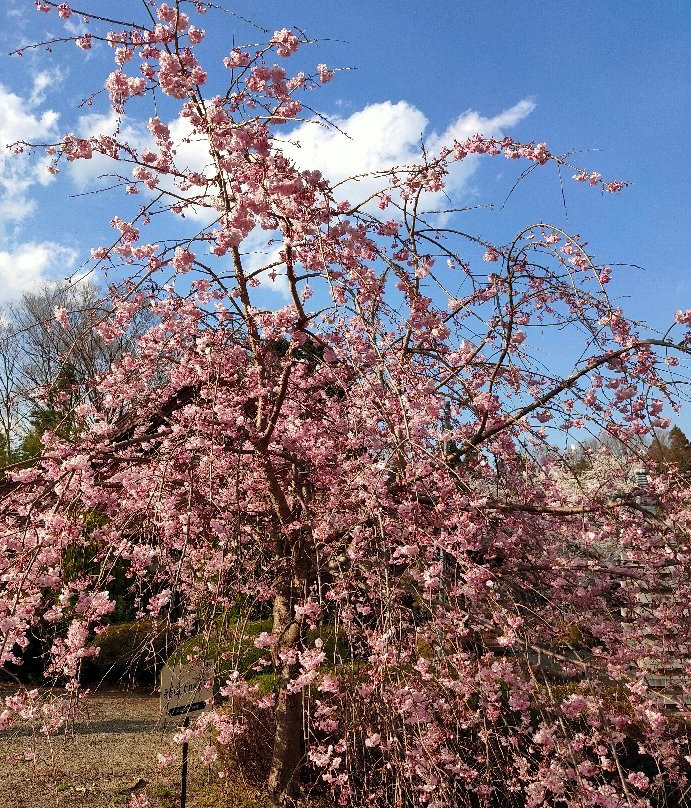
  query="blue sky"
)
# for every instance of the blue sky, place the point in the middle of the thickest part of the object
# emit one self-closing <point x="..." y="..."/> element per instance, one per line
<point x="603" y="78"/>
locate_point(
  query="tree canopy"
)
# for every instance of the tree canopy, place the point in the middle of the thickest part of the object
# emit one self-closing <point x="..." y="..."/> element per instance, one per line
<point x="455" y="619"/>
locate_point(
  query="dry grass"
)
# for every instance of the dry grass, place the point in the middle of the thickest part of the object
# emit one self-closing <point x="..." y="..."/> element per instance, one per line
<point x="109" y="752"/>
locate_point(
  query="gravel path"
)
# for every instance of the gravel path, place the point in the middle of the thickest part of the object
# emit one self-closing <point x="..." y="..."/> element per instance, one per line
<point x="111" y="752"/>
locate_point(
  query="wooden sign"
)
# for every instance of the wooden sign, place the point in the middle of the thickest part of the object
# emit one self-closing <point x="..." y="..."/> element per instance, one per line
<point x="187" y="689"/>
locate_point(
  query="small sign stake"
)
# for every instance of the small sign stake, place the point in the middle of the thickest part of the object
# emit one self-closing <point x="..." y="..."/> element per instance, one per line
<point x="183" y="783"/>
<point x="186" y="689"/>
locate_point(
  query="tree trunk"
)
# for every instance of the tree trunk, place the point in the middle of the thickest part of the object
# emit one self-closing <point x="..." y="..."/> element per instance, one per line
<point x="288" y="748"/>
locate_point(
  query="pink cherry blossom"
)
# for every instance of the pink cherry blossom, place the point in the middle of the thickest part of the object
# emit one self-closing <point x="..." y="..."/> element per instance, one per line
<point x="121" y="87"/>
<point x="285" y="41"/>
<point x="183" y="259"/>
<point x="325" y="75"/>
<point x="61" y="316"/>
<point x="237" y="58"/>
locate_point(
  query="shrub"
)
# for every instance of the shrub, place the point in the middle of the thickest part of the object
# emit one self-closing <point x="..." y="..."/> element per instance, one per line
<point x="133" y="652"/>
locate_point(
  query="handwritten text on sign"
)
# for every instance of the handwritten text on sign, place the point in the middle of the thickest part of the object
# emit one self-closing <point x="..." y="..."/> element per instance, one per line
<point x="187" y="689"/>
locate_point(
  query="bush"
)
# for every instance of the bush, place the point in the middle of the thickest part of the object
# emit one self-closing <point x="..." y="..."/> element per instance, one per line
<point x="133" y="652"/>
<point x="249" y="753"/>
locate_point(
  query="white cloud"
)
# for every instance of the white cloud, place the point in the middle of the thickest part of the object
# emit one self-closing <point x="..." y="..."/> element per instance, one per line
<point x="259" y="251"/>
<point x="84" y="172"/>
<point x="15" y="11"/>
<point x="18" y="122"/>
<point x="387" y="134"/>
<point x="43" y="80"/>
<point x="76" y="27"/>
<point x="376" y="137"/>
<point x="15" y="208"/>
<point x="31" y="264"/>
<point x="472" y="123"/>
<point x="191" y="153"/>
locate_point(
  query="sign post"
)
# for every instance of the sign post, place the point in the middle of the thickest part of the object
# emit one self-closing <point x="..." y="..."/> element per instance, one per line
<point x="186" y="690"/>
<point x="183" y="780"/>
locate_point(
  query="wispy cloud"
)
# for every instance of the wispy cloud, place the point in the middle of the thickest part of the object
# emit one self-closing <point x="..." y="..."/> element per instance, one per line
<point x="29" y="265"/>
<point x="84" y="172"/>
<point x="24" y="265"/>
<point x="43" y="82"/>
<point x="19" y="120"/>
<point x="386" y="134"/>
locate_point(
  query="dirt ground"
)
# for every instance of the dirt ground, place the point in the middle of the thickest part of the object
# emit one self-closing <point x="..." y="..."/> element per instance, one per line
<point x="109" y="754"/>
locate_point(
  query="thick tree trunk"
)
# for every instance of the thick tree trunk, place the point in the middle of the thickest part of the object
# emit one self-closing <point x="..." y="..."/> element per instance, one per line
<point x="288" y="748"/>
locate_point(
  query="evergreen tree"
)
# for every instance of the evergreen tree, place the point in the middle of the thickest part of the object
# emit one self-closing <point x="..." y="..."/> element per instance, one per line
<point x="56" y="414"/>
<point x="673" y="450"/>
<point x="4" y="452"/>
